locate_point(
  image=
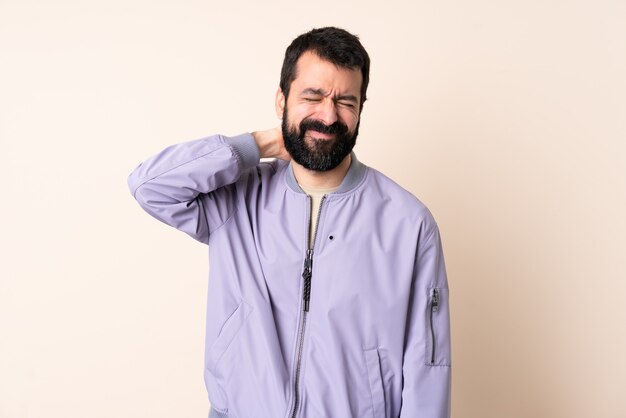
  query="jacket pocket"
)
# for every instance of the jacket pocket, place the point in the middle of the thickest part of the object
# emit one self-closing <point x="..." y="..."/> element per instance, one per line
<point x="438" y="328"/>
<point x="374" y="374"/>
<point x="227" y="334"/>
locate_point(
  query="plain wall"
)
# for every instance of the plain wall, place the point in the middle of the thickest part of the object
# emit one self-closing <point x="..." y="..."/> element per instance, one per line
<point x="507" y="118"/>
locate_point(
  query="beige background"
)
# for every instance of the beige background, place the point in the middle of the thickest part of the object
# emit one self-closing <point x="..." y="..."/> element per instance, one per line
<point x="507" y="118"/>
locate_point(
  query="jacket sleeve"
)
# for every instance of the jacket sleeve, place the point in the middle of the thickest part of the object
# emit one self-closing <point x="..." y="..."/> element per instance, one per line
<point x="427" y="362"/>
<point x="190" y="186"/>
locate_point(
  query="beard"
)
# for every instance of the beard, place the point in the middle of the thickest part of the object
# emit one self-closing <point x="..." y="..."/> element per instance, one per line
<point x="314" y="153"/>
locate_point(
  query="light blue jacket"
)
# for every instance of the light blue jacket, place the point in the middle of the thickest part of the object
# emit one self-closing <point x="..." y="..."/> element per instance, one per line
<point x="358" y="326"/>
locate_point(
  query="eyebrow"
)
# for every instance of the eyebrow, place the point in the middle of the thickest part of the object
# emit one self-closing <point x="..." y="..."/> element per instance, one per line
<point x="320" y="92"/>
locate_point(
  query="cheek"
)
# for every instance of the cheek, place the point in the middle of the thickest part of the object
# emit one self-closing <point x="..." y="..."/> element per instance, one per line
<point x="350" y="120"/>
<point x="297" y="114"/>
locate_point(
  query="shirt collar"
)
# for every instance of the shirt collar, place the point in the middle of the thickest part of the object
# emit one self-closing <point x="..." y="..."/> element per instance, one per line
<point x="353" y="177"/>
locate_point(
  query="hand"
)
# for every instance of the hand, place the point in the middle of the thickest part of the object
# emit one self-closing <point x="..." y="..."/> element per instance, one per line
<point x="271" y="144"/>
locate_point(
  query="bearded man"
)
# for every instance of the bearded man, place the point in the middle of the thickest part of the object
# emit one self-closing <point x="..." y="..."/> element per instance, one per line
<point x="328" y="294"/>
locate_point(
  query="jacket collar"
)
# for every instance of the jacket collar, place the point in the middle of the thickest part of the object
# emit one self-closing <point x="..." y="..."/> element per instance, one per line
<point x="353" y="177"/>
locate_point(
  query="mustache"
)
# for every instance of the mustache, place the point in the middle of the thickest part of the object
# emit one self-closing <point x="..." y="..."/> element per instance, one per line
<point x="338" y="128"/>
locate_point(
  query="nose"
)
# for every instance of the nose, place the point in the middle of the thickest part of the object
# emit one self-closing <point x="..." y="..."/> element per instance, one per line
<point x="327" y="111"/>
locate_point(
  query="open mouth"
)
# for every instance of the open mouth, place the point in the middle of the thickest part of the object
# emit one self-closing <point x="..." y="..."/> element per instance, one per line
<point x="320" y="135"/>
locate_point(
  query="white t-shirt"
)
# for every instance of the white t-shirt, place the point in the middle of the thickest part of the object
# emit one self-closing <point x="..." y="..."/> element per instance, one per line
<point x="316" y="199"/>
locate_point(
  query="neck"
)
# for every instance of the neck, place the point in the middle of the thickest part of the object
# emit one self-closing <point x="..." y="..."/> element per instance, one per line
<point x="321" y="179"/>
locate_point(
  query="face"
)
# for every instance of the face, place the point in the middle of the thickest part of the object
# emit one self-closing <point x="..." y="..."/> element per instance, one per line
<point x="321" y="115"/>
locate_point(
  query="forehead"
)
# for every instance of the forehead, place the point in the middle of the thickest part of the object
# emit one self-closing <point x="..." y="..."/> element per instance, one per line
<point x="313" y="72"/>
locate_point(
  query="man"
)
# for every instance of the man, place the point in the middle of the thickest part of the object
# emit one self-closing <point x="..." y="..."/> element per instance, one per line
<point x="327" y="291"/>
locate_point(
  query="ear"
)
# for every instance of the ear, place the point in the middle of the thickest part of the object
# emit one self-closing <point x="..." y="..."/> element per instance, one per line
<point x="280" y="103"/>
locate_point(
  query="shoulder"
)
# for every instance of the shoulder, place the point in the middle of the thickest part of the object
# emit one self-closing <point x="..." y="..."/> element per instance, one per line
<point x="265" y="172"/>
<point x="399" y="202"/>
<point x="270" y="168"/>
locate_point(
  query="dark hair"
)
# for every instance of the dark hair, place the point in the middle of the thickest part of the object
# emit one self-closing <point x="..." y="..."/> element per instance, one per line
<point x="336" y="45"/>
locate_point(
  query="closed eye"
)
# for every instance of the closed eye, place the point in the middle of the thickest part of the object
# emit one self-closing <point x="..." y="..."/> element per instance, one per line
<point x="346" y="104"/>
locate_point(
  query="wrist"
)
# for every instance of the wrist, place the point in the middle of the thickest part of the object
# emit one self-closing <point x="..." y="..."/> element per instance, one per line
<point x="266" y="142"/>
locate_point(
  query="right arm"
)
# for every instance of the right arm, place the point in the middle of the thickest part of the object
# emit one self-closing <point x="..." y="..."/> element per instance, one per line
<point x="188" y="185"/>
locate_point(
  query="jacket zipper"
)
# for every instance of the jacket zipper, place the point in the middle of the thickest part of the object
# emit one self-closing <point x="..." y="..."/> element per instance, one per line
<point x="306" y="296"/>
<point x="434" y="307"/>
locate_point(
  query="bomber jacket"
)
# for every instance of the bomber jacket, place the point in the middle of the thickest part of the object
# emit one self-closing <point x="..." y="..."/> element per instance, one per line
<point x="356" y="326"/>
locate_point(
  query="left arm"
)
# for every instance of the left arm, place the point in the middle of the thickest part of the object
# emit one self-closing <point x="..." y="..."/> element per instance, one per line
<point x="427" y="367"/>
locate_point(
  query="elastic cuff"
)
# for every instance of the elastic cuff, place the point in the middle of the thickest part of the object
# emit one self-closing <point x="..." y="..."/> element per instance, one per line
<point x="246" y="149"/>
<point x="216" y="414"/>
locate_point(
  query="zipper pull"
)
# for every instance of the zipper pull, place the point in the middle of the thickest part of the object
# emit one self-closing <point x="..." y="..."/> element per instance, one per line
<point x="306" y="275"/>
<point x="435" y="300"/>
